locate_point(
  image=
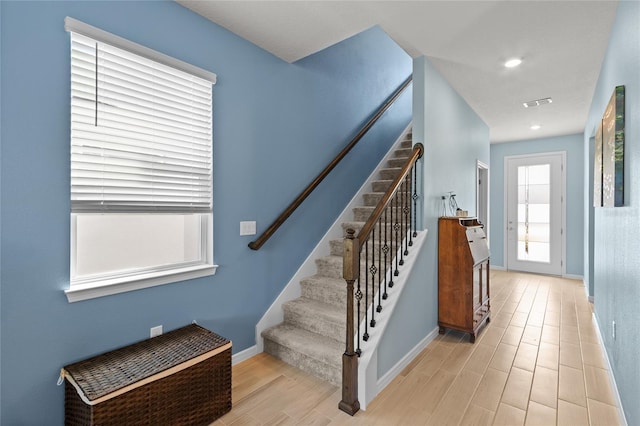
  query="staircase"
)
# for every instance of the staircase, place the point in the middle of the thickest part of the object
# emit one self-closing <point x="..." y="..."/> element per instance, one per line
<point x="312" y="335"/>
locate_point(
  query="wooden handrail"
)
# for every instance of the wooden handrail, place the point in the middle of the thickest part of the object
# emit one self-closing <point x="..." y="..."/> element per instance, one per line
<point x="418" y="150"/>
<point x="256" y="244"/>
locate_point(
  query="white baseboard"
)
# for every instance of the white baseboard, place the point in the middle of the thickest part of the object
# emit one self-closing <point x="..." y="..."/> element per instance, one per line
<point x="388" y="377"/>
<point x="612" y="379"/>
<point x="244" y="355"/>
<point x="573" y="277"/>
<point x="498" y="268"/>
<point x="586" y="290"/>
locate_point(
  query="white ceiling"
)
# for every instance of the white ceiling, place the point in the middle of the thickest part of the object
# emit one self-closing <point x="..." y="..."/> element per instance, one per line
<point x="562" y="44"/>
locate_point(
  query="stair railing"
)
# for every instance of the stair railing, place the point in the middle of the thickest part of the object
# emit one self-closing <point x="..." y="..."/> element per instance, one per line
<point x="256" y="244"/>
<point x="378" y="250"/>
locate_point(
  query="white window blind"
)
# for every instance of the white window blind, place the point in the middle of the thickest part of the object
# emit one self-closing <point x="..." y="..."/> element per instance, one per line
<point x="141" y="133"/>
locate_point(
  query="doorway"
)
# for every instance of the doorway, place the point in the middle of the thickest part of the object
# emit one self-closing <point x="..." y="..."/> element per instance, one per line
<point x="482" y="195"/>
<point x="535" y="212"/>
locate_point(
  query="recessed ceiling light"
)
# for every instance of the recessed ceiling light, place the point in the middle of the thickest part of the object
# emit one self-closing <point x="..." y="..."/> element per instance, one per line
<point x="513" y="62"/>
<point x="535" y="127"/>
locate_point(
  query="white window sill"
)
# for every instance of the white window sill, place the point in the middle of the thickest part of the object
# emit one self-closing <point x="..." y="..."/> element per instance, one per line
<point x="91" y="290"/>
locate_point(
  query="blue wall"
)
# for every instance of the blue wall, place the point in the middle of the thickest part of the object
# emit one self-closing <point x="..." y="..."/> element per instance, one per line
<point x="276" y="125"/>
<point x="572" y="145"/>
<point x="454" y="138"/>
<point x="616" y="277"/>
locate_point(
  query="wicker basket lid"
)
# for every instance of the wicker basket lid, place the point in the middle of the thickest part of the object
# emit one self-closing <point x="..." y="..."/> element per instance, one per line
<point x="97" y="377"/>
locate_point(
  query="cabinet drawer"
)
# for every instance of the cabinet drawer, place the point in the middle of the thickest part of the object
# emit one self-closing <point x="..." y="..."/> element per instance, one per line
<point x="480" y="313"/>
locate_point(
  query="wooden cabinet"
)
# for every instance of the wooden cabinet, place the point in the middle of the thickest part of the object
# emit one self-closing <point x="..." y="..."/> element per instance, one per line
<point x="463" y="275"/>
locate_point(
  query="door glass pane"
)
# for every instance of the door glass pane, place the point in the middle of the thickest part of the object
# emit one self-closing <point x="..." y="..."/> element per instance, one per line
<point x="534" y="195"/>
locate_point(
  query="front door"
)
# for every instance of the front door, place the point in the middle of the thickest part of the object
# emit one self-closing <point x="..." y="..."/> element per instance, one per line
<point x="534" y="199"/>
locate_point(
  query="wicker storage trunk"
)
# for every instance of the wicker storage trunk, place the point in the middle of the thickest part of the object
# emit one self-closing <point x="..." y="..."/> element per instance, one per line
<point x="182" y="377"/>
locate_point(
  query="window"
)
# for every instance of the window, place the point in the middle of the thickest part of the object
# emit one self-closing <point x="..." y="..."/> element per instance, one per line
<point x="141" y="166"/>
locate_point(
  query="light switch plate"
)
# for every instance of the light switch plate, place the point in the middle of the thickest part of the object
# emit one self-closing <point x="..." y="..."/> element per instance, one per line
<point x="248" y="228"/>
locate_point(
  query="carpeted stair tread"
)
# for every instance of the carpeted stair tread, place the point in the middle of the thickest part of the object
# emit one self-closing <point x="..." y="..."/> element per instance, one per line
<point x="403" y="152"/>
<point x="381" y="185"/>
<point x="330" y="266"/>
<point x="337" y="246"/>
<point x="356" y="226"/>
<point x="325" y="289"/>
<point x="315" y="316"/>
<point x="320" y="347"/>
<point x="372" y="198"/>
<point x="362" y="213"/>
<point x="390" y="173"/>
<point x="397" y="162"/>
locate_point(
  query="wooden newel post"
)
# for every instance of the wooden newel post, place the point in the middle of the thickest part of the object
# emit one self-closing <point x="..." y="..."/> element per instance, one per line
<point x="350" y="271"/>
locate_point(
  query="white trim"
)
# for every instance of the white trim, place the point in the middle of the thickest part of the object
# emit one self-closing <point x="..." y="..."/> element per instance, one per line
<point x="486" y="185"/>
<point x="505" y="214"/>
<point x="574" y="277"/>
<point x="612" y="379"/>
<point x="586" y="291"/>
<point x="120" y="285"/>
<point x="497" y="268"/>
<point x="563" y="208"/>
<point x="79" y="27"/>
<point x="274" y="315"/>
<point x="384" y="381"/>
<point x="244" y="355"/>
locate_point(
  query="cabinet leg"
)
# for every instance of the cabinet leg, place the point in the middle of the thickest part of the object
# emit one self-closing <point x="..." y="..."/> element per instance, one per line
<point x="488" y="319"/>
<point x="472" y="338"/>
<point x="441" y="330"/>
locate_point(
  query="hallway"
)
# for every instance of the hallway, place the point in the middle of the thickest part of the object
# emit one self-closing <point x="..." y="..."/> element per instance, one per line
<point x="538" y="362"/>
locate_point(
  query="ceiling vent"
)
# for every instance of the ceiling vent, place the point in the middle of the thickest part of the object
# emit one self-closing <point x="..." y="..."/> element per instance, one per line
<point x="537" y="102"/>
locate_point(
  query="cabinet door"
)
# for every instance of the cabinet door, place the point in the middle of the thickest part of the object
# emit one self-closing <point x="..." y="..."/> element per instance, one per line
<point x="485" y="281"/>
<point x="477" y="286"/>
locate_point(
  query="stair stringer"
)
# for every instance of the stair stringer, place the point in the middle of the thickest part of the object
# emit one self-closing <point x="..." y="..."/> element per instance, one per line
<point x="368" y="380"/>
<point x="274" y="314"/>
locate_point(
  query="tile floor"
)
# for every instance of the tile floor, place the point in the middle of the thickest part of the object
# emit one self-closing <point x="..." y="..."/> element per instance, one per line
<point x="538" y="362"/>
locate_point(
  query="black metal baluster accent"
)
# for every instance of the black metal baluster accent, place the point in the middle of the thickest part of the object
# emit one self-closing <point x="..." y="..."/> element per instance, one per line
<point x="373" y="270"/>
<point x="396" y="229"/>
<point x="415" y="197"/>
<point x="401" y="214"/>
<point x="365" y="336"/>
<point x="379" y="308"/>
<point x="385" y="249"/>
<point x="407" y="219"/>
<point x="411" y="213"/>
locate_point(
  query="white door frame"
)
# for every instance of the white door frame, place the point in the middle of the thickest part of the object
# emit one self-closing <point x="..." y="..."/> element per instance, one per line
<point x="563" y="197"/>
<point x="482" y="195"/>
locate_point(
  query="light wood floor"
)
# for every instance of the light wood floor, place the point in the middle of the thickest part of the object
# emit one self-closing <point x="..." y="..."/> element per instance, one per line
<point x="538" y="362"/>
